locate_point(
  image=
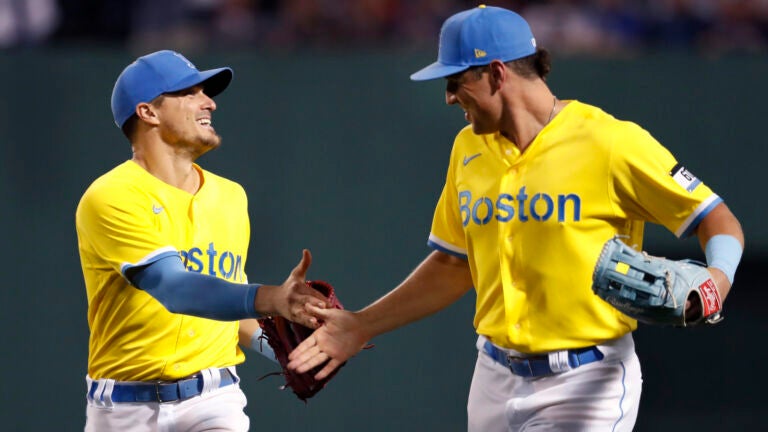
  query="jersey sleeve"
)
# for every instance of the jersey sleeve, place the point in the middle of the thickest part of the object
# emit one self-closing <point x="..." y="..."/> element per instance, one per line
<point x="118" y="228"/>
<point x="650" y="184"/>
<point x="447" y="233"/>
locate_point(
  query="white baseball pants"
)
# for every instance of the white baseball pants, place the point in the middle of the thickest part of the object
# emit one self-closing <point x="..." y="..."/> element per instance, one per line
<point x="599" y="396"/>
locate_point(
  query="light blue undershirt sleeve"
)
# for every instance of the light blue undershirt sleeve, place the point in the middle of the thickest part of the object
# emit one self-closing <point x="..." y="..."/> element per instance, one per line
<point x="724" y="252"/>
<point x="190" y="293"/>
<point x="260" y="345"/>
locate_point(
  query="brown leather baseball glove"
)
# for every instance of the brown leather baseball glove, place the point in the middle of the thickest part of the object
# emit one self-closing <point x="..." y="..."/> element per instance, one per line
<point x="284" y="336"/>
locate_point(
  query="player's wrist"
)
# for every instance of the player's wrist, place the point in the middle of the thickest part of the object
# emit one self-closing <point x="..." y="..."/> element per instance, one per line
<point x="253" y="291"/>
<point x="367" y="325"/>
<point x="264" y="300"/>
<point x="721" y="280"/>
<point x="260" y="345"/>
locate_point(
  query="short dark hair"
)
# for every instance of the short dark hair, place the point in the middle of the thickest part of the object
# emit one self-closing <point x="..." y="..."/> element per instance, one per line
<point x="537" y="64"/>
<point x="129" y="127"/>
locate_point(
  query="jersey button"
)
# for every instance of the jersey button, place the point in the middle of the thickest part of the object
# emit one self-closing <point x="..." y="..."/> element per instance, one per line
<point x="517" y="326"/>
<point x="191" y="333"/>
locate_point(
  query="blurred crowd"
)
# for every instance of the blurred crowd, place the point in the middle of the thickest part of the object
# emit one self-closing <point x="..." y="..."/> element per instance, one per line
<point x="593" y="27"/>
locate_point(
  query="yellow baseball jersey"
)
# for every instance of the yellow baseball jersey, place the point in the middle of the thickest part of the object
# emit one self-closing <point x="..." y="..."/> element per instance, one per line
<point x="129" y="218"/>
<point x="532" y="224"/>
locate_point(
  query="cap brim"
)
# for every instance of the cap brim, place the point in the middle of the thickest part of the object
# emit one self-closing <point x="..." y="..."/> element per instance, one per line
<point x="438" y="70"/>
<point x="214" y="81"/>
<point x="218" y="80"/>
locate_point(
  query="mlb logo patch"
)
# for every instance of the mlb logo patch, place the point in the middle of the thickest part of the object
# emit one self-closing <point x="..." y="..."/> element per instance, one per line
<point x="684" y="178"/>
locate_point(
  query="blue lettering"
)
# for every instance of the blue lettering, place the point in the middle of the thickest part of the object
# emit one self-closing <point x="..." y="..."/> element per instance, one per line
<point x="550" y="207"/>
<point x="521" y="197"/>
<point x="238" y="272"/>
<point x="195" y="264"/>
<point x="465" y="197"/>
<point x="488" y="212"/>
<point x="230" y="266"/>
<point x="541" y="207"/>
<point x="211" y="252"/>
<point x="227" y="256"/>
<point x="561" y="200"/>
<point x="502" y="205"/>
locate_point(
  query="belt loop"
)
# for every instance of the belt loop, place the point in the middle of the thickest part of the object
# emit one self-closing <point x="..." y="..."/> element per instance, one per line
<point x="558" y="361"/>
<point x="109" y="386"/>
<point x="97" y="400"/>
<point x="211" y="380"/>
<point x="232" y="371"/>
<point x="215" y="378"/>
<point x="158" y="396"/>
<point x="89" y="387"/>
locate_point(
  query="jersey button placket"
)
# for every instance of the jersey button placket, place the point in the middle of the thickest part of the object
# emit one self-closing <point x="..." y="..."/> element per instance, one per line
<point x="510" y="183"/>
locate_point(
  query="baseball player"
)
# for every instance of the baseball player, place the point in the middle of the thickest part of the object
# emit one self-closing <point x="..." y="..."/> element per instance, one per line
<point x="163" y="245"/>
<point x="535" y="186"/>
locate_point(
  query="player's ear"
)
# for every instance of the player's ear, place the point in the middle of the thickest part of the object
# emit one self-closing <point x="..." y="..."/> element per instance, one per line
<point x="497" y="71"/>
<point x="147" y="112"/>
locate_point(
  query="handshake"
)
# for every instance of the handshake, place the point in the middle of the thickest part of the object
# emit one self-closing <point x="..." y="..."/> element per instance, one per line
<point x="284" y="336"/>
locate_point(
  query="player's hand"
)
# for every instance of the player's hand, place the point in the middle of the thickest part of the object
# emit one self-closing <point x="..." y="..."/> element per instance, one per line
<point x="290" y="299"/>
<point x="336" y="341"/>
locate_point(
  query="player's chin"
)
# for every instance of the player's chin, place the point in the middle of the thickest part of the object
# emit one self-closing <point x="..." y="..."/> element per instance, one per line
<point x="211" y="141"/>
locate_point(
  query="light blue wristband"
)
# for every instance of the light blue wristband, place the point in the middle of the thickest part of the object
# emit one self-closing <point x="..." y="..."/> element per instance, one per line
<point x="261" y="346"/>
<point x="723" y="252"/>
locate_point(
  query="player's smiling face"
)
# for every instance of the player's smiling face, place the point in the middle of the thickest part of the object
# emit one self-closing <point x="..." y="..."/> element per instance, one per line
<point x="471" y="90"/>
<point x="186" y="120"/>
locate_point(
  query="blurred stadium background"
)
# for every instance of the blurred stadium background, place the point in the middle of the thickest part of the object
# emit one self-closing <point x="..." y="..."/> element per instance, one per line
<point x="342" y="154"/>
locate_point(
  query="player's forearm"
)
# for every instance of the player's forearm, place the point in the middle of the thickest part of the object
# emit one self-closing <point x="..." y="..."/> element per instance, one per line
<point x="195" y="294"/>
<point x="246" y="330"/>
<point x="722" y="240"/>
<point x="251" y="336"/>
<point x="439" y="281"/>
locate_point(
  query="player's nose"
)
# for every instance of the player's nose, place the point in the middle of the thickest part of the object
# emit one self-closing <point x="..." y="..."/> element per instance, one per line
<point x="450" y="98"/>
<point x="208" y="103"/>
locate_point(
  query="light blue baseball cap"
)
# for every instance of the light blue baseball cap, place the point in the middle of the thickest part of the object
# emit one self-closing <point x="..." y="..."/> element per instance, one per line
<point x="476" y="37"/>
<point x="161" y="72"/>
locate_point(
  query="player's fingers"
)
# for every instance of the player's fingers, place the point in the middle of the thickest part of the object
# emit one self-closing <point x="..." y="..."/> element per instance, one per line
<point x="330" y="367"/>
<point x="310" y="313"/>
<point x="313" y="358"/>
<point x="305" y="350"/>
<point x="300" y="356"/>
<point x="305" y="314"/>
<point x="314" y="297"/>
<point x="302" y="318"/>
<point x="318" y="310"/>
<point x="300" y="271"/>
<point x="297" y="355"/>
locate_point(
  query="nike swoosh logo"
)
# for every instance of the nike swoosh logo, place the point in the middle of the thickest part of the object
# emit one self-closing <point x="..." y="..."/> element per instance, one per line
<point x="156" y="209"/>
<point x="468" y="159"/>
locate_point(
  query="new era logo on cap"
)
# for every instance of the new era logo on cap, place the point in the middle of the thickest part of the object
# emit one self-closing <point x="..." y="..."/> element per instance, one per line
<point x="184" y="59"/>
<point x="476" y="37"/>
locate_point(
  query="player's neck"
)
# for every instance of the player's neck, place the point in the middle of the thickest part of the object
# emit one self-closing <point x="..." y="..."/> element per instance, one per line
<point x="175" y="169"/>
<point x="527" y="114"/>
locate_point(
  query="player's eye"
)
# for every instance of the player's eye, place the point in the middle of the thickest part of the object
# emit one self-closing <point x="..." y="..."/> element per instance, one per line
<point x="452" y="84"/>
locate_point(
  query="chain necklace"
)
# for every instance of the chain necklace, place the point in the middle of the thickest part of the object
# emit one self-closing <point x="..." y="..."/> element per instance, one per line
<point x="552" y="114"/>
